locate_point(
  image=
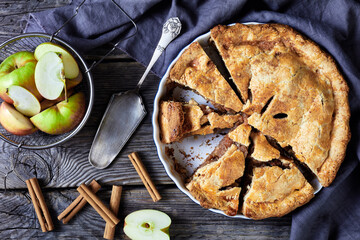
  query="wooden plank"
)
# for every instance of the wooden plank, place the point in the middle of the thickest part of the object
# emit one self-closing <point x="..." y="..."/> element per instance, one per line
<point x="68" y="166"/>
<point x="12" y="13"/>
<point x="189" y="221"/>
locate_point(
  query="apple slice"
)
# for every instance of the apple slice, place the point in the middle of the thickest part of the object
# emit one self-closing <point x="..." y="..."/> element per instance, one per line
<point x="49" y="76"/>
<point x="14" y="122"/>
<point x="70" y="65"/>
<point x="147" y="224"/>
<point x="62" y="117"/>
<point x="24" y="101"/>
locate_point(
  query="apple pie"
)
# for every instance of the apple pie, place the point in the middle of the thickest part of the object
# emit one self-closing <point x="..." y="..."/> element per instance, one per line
<point x="293" y="123"/>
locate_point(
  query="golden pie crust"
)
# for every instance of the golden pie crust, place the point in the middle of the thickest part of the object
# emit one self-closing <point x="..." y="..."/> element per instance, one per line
<point x="298" y="95"/>
<point x="195" y="70"/>
<point x="207" y="182"/>
<point x="263" y="151"/>
<point x="241" y="134"/>
<point x="294" y="96"/>
<point x="275" y="192"/>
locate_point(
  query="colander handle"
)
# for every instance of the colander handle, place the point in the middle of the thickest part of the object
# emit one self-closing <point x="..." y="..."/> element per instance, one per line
<point x="76" y="12"/>
<point x="95" y="63"/>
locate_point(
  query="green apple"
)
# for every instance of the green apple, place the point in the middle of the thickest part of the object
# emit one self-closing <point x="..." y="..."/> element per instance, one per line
<point x="62" y="117"/>
<point x="14" y="122"/>
<point x="18" y="69"/>
<point x="70" y="65"/>
<point x="147" y="224"/>
<point x="70" y="83"/>
<point x="24" y="101"/>
<point x="46" y="103"/>
<point x="49" y="75"/>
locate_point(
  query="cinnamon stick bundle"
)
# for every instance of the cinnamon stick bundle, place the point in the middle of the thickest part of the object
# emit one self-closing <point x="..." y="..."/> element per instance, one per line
<point x="98" y="205"/>
<point x="114" y="207"/>
<point x="144" y="175"/>
<point x="77" y="204"/>
<point x="38" y="201"/>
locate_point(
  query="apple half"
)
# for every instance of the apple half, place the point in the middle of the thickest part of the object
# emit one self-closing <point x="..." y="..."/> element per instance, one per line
<point x="63" y="117"/>
<point x="147" y="224"/>
<point x="18" y="69"/>
<point x="70" y="65"/>
<point x="14" y="122"/>
<point x="24" y="101"/>
<point x="49" y="76"/>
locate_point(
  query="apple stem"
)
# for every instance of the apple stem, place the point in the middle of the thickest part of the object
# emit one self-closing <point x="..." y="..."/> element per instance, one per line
<point x="66" y="98"/>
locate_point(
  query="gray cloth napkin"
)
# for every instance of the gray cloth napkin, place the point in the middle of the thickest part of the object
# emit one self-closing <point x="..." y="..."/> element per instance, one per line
<point x="335" y="212"/>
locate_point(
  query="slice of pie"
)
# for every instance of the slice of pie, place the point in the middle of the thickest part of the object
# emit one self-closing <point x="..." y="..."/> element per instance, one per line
<point x="178" y="120"/>
<point x="276" y="191"/>
<point x="214" y="184"/>
<point x="196" y="71"/>
<point x="236" y="55"/>
<point x="298" y="96"/>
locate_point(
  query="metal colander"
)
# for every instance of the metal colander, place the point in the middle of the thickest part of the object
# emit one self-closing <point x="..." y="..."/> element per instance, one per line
<point x="28" y="42"/>
<point x="41" y="140"/>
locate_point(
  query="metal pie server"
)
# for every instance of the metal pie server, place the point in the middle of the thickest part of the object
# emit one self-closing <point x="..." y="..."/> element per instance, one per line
<point x="126" y="110"/>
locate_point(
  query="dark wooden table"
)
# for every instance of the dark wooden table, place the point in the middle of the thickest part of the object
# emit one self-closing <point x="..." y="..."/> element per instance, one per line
<point x="61" y="169"/>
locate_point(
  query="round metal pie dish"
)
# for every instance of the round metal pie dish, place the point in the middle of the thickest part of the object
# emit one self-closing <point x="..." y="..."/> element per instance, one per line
<point x="192" y="151"/>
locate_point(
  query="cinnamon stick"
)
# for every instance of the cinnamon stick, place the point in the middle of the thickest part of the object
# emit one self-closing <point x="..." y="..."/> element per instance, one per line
<point x="114" y="207"/>
<point x="98" y="205"/>
<point x="144" y="175"/>
<point x="77" y="204"/>
<point x="38" y="201"/>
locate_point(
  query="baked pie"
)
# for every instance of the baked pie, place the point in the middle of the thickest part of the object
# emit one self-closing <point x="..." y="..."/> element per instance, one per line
<point x="293" y="110"/>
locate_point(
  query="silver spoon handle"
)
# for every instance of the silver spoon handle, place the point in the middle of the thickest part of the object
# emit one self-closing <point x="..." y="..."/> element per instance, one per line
<point x="170" y="31"/>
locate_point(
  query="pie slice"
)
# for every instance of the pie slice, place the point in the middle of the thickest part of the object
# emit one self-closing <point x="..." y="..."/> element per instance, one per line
<point x="236" y="55"/>
<point x="214" y="184"/>
<point x="275" y="191"/>
<point x="298" y="96"/>
<point x="178" y="120"/>
<point x="196" y="71"/>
